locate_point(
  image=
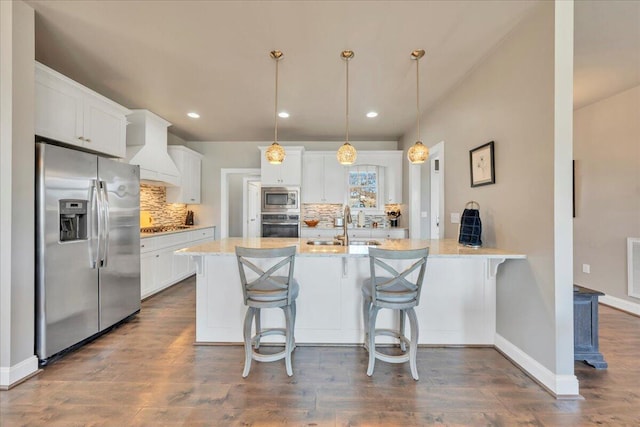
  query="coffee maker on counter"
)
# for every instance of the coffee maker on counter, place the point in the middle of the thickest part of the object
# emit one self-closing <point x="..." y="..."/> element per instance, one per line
<point x="189" y="220"/>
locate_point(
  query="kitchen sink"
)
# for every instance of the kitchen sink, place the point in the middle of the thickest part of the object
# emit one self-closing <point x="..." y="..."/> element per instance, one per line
<point x="364" y="242"/>
<point x="324" y="242"/>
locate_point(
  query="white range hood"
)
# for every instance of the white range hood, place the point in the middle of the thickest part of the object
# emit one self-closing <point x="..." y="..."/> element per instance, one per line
<point x="147" y="147"/>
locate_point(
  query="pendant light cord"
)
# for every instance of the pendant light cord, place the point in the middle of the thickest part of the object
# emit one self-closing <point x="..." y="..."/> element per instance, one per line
<point x="275" y="116"/>
<point x="347" y="97"/>
<point x="418" y="95"/>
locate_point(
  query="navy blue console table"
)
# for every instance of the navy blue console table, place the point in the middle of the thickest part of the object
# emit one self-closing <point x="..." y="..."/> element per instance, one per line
<point x="585" y="327"/>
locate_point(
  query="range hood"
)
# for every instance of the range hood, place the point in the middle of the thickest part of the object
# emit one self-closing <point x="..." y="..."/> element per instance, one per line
<point x="147" y="147"/>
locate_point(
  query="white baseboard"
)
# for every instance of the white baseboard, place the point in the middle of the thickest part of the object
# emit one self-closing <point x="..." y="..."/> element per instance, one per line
<point x="561" y="386"/>
<point x="620" y="304"/>
<point x="16" y="373"/>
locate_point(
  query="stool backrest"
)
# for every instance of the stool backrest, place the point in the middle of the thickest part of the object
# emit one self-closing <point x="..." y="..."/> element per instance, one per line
<point x="393" y="288"/>
<point x="264" y="283"/>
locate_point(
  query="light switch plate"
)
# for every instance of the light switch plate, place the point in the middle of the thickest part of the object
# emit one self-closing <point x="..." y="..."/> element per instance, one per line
<point x="455" y="217"/>
<point x="423" y="214"/>
<point x="586" y="268"/>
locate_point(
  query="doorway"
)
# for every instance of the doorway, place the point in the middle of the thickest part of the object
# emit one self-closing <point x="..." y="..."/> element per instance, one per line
<point x="426" y="192"/>
<point x="251" y="212"/>
<point x="231" y="200"/>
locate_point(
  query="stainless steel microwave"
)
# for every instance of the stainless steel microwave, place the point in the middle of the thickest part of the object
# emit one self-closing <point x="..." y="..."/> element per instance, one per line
<point x="280" y="199"/>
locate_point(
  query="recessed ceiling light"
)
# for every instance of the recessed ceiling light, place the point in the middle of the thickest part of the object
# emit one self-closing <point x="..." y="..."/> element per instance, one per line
<point x="283" y="114"/>
<point x="372" y="114"/>
<point x="193" y="115"/>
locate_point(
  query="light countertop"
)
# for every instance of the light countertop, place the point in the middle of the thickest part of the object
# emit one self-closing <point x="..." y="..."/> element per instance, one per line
<point x="437" y="248"/>
<point x="162" y="233"/>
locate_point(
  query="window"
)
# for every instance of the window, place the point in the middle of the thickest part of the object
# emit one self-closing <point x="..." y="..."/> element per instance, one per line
<point x="364" y="185"/>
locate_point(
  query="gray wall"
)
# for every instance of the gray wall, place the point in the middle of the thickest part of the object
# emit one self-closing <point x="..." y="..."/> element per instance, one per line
<point x="607" y="156"/>
<point x="243" y="155"/>
<point x="16" y="209"/>
<point x="509" y="99"/>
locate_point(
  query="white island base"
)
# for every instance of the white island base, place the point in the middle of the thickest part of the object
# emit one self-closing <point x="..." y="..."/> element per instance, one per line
<point x="457" y="304"/>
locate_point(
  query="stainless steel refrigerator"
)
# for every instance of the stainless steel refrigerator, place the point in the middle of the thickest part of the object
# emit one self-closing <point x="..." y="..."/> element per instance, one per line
<point x="87" y="246"/>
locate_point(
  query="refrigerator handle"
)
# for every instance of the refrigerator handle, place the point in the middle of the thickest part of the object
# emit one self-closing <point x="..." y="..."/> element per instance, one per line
<point x="105" y="224"/>
<point x="95" y="224"/>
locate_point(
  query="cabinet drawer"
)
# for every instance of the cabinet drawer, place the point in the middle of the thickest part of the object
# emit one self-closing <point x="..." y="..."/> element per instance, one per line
<point x="148" y="244"/>
<point x="204" y="233"/>
<point x="174" y="239"/>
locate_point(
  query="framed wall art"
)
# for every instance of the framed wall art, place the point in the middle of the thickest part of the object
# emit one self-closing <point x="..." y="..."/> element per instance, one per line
<point x="482" y="163"/>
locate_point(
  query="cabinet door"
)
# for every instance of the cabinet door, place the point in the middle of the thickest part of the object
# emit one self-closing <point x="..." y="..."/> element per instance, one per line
<point x="104" y="127"/>
<point x="193" y="178"/>
<point x="180" y="268"/>
<point x="58" y="112"/>
<point x="164" y="268"/>
<point x="393" y="177"/>
<point x="147" y="274"/>
<point x="288" y="173"/>
<point x="312" y="185"/>
<point x="334" y="180"/>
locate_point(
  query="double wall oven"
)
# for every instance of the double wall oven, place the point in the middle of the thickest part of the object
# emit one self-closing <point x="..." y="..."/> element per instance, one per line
<point x="280" y="212"/>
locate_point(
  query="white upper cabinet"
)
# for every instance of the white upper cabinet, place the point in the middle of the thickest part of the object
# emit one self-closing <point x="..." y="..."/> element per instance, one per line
<point x="71" y="113"/>
<point x="288" y="173"/>
<point x="323" y="178"/>
<point x="189" y="165"/>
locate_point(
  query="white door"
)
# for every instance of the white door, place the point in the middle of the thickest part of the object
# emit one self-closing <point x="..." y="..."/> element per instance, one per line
<point x="253" y="209"/>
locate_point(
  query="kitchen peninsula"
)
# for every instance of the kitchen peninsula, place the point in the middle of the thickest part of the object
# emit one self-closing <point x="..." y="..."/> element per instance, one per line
<point x="457" y="304"/>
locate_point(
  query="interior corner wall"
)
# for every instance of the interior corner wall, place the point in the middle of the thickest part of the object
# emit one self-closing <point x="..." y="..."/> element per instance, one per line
<point x="17" y="144"/>
<point x="509" y="98"/>
<point x="607" y="190"/>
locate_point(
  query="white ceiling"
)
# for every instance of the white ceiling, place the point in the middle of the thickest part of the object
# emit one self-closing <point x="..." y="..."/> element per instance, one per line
<point x="212" y="57"/>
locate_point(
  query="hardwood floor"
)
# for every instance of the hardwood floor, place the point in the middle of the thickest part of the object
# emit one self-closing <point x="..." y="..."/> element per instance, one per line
<point x="149" y="373"/>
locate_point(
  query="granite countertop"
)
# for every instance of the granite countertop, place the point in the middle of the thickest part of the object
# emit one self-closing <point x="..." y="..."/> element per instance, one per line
<point x="437" y="248"/>
<point x="163" y="233"/>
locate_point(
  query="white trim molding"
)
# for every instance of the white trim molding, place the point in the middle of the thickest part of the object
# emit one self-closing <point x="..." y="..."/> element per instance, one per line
<point x="561" y="386"/>
<point x="620" y="304"/>
<point x="17" y="373"/>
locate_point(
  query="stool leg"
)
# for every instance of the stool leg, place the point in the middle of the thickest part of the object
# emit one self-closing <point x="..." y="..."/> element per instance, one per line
<point x="258" y="328"/>
<point x="373" y="313"/>
<point x="293" y="328"/>
<point x="413" y="347"/>
<point x="366" y="306"/>
<point x="403" y="346"/>
<point x="248" y="352"/>
<point x="288" y="339"/>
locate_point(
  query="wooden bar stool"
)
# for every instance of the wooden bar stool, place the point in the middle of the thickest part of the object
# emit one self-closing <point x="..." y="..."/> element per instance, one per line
<point x="393" y="290"/>
<point x="262" y="289"/>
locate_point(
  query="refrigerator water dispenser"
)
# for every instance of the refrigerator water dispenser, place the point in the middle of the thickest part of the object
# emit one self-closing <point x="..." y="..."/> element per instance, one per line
<point x="73" y="220"/>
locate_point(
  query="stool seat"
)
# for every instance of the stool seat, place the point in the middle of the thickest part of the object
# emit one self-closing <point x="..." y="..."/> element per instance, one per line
<point x="261" y="289"/>
<point x="396" y="290"/>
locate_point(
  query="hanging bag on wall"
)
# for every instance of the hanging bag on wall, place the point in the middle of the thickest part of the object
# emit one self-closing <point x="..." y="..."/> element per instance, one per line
<point x="471" y="226"/>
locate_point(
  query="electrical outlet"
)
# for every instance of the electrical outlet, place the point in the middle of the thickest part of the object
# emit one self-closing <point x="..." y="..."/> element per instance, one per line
<point x="586" y="268"/>
<point x="423" y="214"/>
<point x="455" y="217"/>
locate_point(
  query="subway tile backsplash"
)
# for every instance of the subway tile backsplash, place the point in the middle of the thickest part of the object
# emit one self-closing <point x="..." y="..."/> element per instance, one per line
<point x="153" y="199"/>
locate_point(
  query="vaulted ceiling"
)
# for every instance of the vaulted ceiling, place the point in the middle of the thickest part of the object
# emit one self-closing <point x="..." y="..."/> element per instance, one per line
<point x="172" y="57"/>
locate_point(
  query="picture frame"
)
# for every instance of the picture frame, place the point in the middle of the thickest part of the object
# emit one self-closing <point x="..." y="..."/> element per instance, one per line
<point x="482" y="165"/>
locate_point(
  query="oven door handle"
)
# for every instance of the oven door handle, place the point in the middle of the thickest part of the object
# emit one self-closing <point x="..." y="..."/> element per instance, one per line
<point x="280" y="223"/>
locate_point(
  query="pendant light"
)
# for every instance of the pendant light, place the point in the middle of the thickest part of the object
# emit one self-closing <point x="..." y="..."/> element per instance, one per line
<point x="347" y="153"/>
<point x="418" y="153"/>
<point x="275" y="154"/>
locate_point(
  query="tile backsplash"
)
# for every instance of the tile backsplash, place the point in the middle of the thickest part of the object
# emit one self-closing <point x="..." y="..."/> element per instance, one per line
<point x="326" y="212"/>
<point x="153" y="203"/>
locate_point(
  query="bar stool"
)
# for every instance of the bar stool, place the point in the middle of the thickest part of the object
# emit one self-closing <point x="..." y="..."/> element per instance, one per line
<point x="265" y="290"/>
<point x="395" y="291"/>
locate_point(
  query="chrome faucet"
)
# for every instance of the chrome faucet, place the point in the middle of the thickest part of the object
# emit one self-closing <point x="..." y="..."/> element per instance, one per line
<point x="346" y="219"/>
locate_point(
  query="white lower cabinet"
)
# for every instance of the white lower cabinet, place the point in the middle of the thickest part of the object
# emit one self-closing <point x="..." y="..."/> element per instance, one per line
<point x="159" y="267"/>
<point x="357" y="233"/>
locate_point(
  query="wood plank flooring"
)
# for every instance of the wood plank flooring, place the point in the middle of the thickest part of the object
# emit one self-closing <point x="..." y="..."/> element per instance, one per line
<point x="149" y="373"/>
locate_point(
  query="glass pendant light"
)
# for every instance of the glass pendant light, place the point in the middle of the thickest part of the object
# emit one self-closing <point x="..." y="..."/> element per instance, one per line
<point x="275" y="154"/>
<point x="347" y="153"/>
<point x="418" y="153"/>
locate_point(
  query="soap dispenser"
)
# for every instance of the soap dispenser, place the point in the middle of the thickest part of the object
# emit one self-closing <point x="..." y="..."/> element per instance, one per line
<point x="361" y="219"/>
